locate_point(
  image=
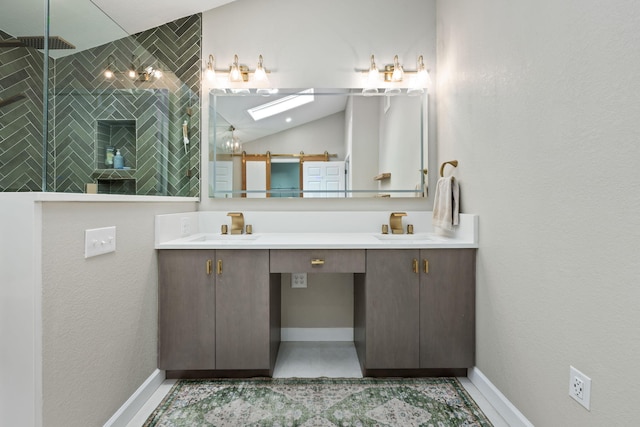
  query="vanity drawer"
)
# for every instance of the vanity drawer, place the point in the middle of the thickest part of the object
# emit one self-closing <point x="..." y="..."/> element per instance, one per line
<point x="317" y="261"/>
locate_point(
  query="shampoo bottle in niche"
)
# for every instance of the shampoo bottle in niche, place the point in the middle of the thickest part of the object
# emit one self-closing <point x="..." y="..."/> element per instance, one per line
<point x="118" y="160"/>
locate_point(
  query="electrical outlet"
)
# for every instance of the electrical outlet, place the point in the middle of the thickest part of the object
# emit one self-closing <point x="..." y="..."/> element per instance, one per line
<point x="185" y="226"/>
<point x="580" y="387"/>
<point x="298" y="280"/>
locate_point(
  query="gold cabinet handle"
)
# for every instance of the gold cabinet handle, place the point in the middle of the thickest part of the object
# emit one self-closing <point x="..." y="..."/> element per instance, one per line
<point x="415" y="265"/>
<point x="317" y="261"/>
<point x="425" y="264"/>
<point x="209" y="264"/>
<point x="219" y="267"/>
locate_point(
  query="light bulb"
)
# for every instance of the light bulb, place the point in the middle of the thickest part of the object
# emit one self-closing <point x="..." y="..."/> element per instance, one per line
<point x="235" y="75"/>
<point x="108" y="73"/>
<point x="373" y="73"/>
<point x="260" y="75"/>
<point x="398" y="73"/>
<point x="132" y="72"/>
<point x="210" y="73"/>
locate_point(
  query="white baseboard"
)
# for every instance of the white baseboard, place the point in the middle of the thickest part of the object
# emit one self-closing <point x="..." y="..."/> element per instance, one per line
<point x="130" y="408"/>
<point x="316" y="334"/>
<point x="502" y="405"/>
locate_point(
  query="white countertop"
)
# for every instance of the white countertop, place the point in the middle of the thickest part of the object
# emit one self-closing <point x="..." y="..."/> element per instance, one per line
<point x="310" y="230"/>
<point x="316" y="241"/>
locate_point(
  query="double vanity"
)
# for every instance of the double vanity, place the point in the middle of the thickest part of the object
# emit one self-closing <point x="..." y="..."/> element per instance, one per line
<point x="220" y="294"/>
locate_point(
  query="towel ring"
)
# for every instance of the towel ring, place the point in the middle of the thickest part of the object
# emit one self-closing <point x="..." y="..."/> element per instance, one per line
<point x="453" y="163"/>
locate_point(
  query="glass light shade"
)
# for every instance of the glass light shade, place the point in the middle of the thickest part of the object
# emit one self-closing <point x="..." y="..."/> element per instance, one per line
<point x="398" y="74"/>
<point x="415" y="91"/>
<point x="210" y="74"/>
<point x="392" y="91"/>
<point x="260" y="75"/>
<point x="235" y="75"/>
<point x="369" y="91"/>
<point x="424" y="78"/>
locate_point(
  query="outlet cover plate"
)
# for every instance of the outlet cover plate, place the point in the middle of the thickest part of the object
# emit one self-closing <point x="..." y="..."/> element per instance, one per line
<point x="298" y="280"/>
<point x="185" y="226"/>
<point x="99" y="241"/>
<point x="580" y="387"/>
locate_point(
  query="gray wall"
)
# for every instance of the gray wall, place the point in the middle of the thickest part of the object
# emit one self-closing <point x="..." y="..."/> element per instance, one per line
<point x="539" y="103"/>
<point x="99" y="315"/>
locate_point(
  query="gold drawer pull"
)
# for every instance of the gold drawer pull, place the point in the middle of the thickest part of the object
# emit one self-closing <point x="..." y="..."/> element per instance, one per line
<point x="209" y="263"/>
<point x="425" y="263"/>
<point x="317" y="261"/>
<point x="415" y="265"/>
<point x="219" y="267"/>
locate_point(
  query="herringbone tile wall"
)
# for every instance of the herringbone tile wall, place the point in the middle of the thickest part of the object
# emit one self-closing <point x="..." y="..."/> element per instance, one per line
<point x="21" y="122"/>
<point x="82" y="98"/>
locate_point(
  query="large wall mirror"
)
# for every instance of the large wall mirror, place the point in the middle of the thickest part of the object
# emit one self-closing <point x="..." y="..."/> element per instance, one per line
<point x="310" y="143"/>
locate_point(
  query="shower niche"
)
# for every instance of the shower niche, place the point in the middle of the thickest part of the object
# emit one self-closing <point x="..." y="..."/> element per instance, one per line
<point x="113" y="135"/>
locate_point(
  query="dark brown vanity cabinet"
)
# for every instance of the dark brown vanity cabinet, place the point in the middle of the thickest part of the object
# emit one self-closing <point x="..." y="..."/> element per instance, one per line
<point x="218" y="310"/>
<point x="415" y="309"/>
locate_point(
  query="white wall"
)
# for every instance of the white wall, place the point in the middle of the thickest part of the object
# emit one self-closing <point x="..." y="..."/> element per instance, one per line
<point x="365" y="138"/>
<point x="398" y="129"/>
<point x="538" y="100"/>
<point x="20" y="270"/>
<point x="325" y="134"/>
<point x="309" y="43"/>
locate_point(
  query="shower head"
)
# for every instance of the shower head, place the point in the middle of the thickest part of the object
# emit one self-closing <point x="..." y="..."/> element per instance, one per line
<point x="37" y="42"/>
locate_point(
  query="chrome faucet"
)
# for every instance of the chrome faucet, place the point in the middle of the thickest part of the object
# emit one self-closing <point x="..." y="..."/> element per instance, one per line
<point x="396" y="222"/>
<point x="237" y="222"/>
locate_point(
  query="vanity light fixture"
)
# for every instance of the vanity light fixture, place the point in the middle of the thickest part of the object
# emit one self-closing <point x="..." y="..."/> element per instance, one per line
<point x="393" y="78"/>
<point x="133" y="72"/>
<point x="239" y="73"/>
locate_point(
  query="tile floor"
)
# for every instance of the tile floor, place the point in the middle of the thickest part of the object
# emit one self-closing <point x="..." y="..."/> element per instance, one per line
<point x="316" y="359"/>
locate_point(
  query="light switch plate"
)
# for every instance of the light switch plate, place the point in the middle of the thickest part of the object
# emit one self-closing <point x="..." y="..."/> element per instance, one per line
<point x="98" y="241"/>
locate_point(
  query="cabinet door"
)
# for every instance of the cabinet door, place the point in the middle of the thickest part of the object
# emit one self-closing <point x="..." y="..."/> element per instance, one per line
<point x="186" y="310"/>
<point x="447" y="308"/>
<point x="392" y="309"/>
<point x="242" y="309"/>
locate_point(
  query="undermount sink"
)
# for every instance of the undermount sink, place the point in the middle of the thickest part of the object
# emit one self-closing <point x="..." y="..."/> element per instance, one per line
<point x="231" y="238"/>
<point x="405" y="237"/>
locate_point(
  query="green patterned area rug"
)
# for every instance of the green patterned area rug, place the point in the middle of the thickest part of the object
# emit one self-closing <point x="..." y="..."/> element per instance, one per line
<point x="428" y="402"/>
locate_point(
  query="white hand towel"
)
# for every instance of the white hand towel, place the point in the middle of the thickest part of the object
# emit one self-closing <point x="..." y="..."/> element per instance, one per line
<point x="446" y="204"/>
